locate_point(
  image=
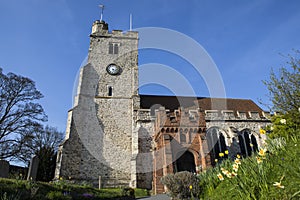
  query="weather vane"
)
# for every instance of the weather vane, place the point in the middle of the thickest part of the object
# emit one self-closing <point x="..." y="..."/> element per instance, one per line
<point x="102" y="8"/>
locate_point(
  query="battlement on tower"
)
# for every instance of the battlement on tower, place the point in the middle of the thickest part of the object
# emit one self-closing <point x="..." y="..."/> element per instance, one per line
<point x="100" y="29"/>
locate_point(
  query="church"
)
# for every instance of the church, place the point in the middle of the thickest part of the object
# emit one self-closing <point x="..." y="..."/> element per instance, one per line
<point x="117" y="137"/>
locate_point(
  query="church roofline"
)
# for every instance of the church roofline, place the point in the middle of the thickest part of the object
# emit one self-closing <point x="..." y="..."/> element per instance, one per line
<point x="204" y="103"/>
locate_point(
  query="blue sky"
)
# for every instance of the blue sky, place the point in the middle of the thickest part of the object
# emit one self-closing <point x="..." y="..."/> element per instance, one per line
<point x="48" y="40"/>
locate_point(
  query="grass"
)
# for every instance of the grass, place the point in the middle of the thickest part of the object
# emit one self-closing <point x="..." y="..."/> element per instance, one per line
<point x="22" y="189"/>
<point x="272" y="175"/>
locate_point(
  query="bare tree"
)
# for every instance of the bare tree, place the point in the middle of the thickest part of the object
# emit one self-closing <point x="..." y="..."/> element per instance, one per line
<point x="44" y="144"/>
<point x="20" y="114"/>
<point x="43" y="139"/>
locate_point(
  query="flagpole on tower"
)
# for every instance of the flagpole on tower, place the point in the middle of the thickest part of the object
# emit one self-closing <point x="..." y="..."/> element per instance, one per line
<point x="102" y="8"/>
<point x="130" y="22"/>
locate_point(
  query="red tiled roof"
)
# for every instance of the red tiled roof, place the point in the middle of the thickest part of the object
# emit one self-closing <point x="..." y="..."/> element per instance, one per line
<point x="204" y="103"/>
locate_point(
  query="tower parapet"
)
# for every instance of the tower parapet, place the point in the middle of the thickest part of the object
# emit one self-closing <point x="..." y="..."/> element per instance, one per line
<point x="100" y="29"/>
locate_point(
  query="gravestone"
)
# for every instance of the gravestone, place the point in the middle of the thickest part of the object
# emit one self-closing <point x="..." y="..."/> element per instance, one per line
<point x="4" y="169"/>
<point x="33" y="167"/>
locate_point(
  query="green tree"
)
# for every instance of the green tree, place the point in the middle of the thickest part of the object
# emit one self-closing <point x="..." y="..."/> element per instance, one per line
<point x="284" y="88"/>
<point x="20" y="114"/>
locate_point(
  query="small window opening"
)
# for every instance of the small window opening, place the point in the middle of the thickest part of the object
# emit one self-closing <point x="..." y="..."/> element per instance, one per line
<point x="110" y="91"/>
<point x="110" y="48"/>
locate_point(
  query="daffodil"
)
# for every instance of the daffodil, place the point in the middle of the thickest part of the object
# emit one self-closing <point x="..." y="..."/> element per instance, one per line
<point x="225" y="172"/>
<point x="258" y="159"/>
<point x="216" y="160"/>
<point x="238" y="156"/>
<point x="283" y="121"/>
<point x="228" y="175"/>
<point x="220" y="176"/>
<point x="278" y="184"/>
<point x="237" y="161"/>
<point x="221" y="154"/>
<point x="226" y="152"/>
<point x="233" y="174"/>
<point x="262" y="152"/>
<point x="235" y="167"/>
<point x="262" y="131"/>
<point x="191" y="187"/>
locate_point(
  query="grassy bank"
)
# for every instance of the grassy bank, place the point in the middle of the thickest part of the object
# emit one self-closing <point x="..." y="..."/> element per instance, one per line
<point x="273" y="173"/>
<point x="21" y="189"/>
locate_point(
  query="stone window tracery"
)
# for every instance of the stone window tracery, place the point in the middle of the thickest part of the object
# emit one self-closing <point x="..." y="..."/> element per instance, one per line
<point x="216" y="144"/>
<point x="247" y="142"/>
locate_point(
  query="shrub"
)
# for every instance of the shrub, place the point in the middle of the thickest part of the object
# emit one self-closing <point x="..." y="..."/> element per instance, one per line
<point x="182" y="185"/>
<point x="128" y="192"/>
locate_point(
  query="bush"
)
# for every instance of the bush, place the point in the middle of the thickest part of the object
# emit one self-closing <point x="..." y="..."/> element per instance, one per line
<point x="128" y="192"/>
<point x="182" y="185"/>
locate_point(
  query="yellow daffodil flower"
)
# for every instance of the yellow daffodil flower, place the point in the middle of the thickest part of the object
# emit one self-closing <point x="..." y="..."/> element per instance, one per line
<point x="238" y="156"/>
<point x="235" y="167"/>
<point x="228" y="175"/>
<point x="191" y="187"/>
<point x="278" y="184"/>
<point x="258" y="159"/>
<point x="283" y="121"/>
<point x="220" y="176"/>
<point x="262" y="152"/>
<point x="262" y="131"/>
<point x="237" y="161"/>
<point x="221" y="154"/>
<point x="233" y="174"/>
<point x="226" y="152"/>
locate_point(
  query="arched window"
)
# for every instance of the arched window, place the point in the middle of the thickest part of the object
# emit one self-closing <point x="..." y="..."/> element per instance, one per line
<point x="247" y="142"/>
<point x="216" y="144"/>
<point x="182" y="137"/>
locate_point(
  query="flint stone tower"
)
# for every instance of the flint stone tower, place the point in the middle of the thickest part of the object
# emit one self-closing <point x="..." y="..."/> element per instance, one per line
<point x="99" y="136"/>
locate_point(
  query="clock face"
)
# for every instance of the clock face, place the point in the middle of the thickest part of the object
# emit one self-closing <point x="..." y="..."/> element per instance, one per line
<point x="113" y="69"/>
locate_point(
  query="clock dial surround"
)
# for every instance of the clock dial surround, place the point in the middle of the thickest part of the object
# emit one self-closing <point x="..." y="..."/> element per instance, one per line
<point x="113" y="69"/>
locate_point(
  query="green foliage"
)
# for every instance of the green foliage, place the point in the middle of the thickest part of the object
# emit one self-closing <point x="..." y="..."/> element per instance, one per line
<point x="57" y="195"/>
<point x="128" y="192"/>
<point x="12" y="189"/>
<point x="284" y="88"/>
<point x="12" y="196"/>
<point x="284" y="126"/>
<point x="182" y="185"/>
<point x="275" y="175"/>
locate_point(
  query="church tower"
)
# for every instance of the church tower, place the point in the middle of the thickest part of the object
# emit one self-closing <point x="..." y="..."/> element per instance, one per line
<point x="99" y="136"/>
